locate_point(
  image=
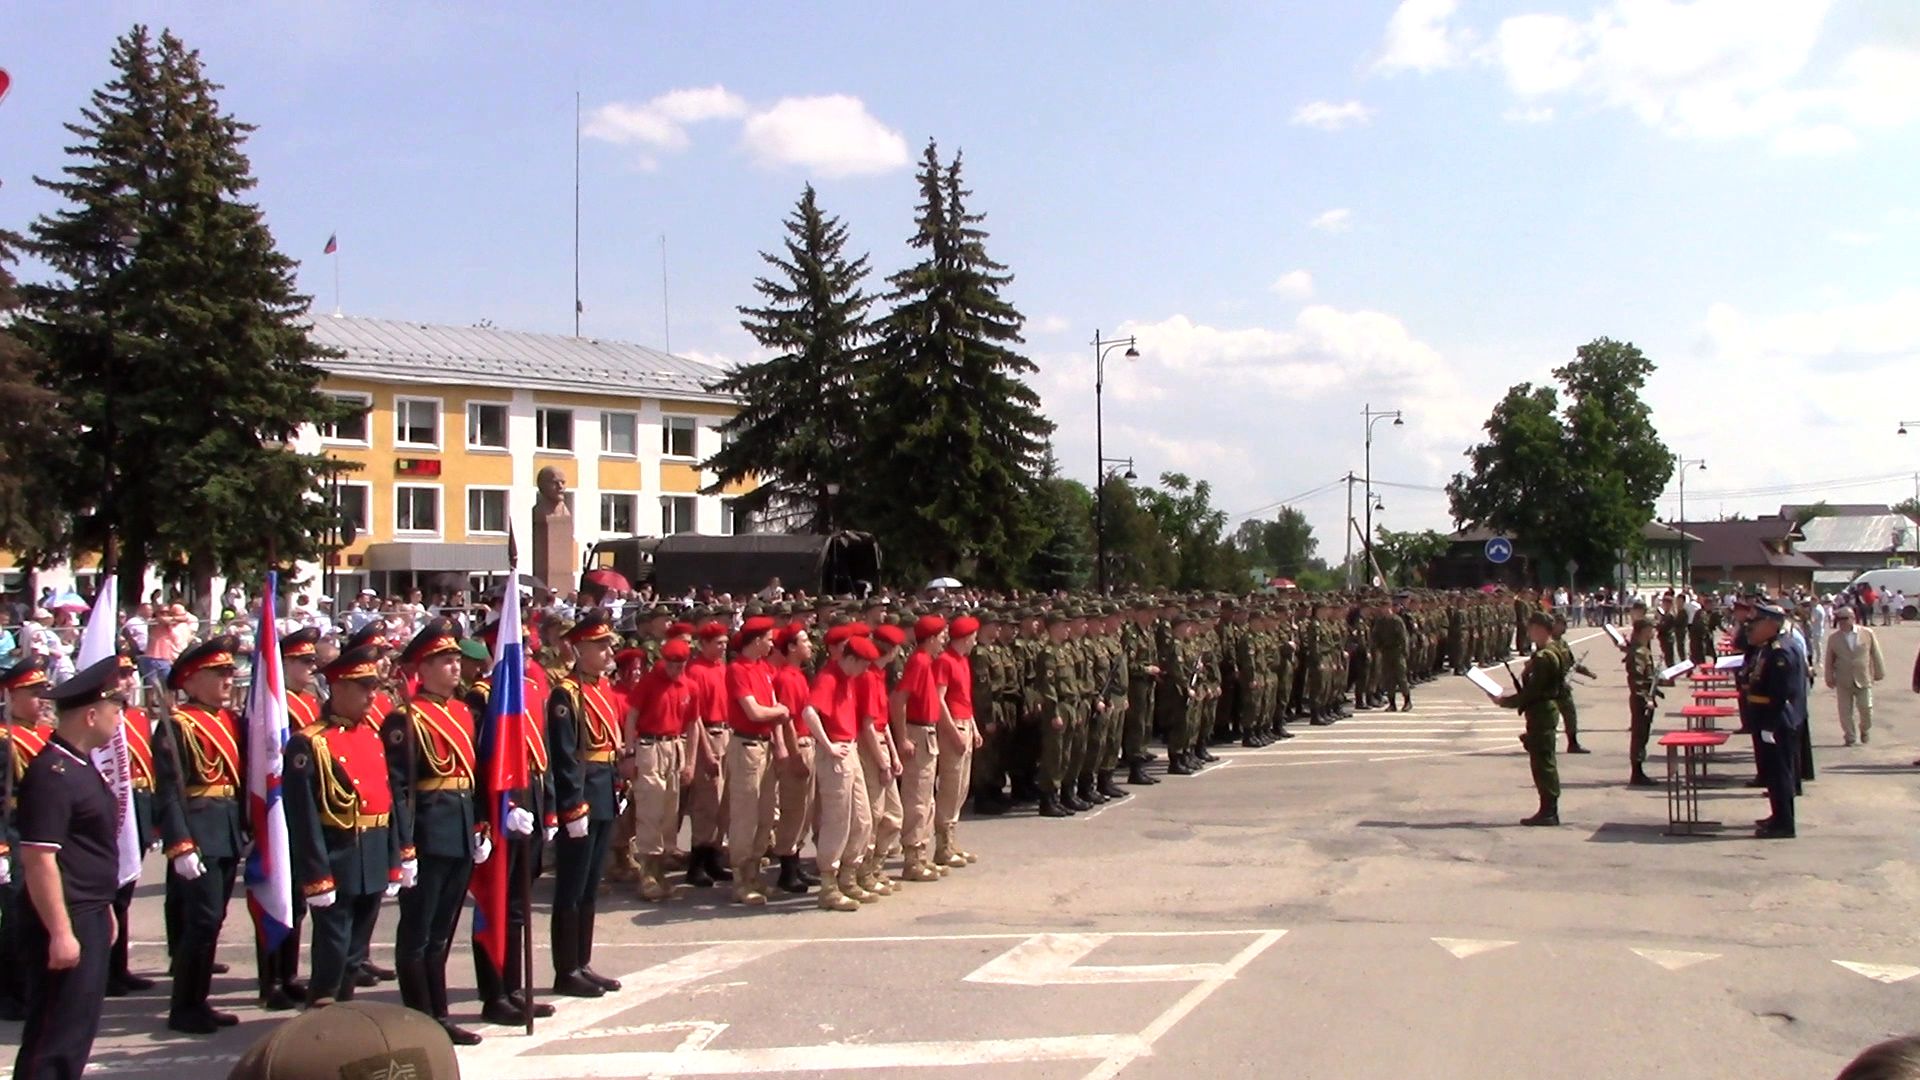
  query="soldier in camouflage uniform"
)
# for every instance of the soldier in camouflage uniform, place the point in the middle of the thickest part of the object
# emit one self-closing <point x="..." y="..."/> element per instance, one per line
<point x="1137" y="638"/>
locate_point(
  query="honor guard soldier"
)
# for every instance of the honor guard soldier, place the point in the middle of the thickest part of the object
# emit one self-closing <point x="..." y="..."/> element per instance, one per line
<point x="431" y="769"/>
<point x="121" y="980"/>
<point x="374" y="636"/>
<point x="503" y="995"/>
<point x="201" y="777"/>
<point x="70" y="840"/>
<point x="280" y="985"/>
<point x="346" y="855"/>
<point x="23" y="740"/>
<point x="583" y="733"/>
<point x="1777" y="674"/>
<point x="1541" y="684"/>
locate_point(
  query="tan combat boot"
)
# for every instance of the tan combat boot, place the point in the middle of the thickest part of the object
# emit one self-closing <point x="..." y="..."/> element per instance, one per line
<point x="944" y="855"/>
<point x="917" y="867"/>
<point x="851" y="888"/>
<point x="872" y="879"/>
<point x="746" y="884"/>
<point x="653" y="880"/>
<point x="831" y="899"/>
<point x="622" y="867"/>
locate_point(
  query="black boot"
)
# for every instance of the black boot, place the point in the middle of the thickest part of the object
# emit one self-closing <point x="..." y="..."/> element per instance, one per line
<point x="1090" y="792"/>
<point x="1070" y="798"/>
<point x="436" y="973"/>
<point x="1205" y="755"/>
<point x="516" y="984"/>
<point x="384" y="974"/>
<point x="412" y="977"/>
<point x="565" y="936"/>
<point x="1137" y="775"/>
<point x="717" y="866"/>
<point x="698" y="875"/>
<point x="790" y="879"/>
<point x="189" y="1012"/>
<point x="807" y="877"/>
<point x="586" y="951"/>
<point x="1549" y="814"/>
<point x="494" y="1006"/>
<point x="273" y="996"/>
<point x="1281" y="732"/>
<point x="1103" y="783"/>
<point x="1177" y="765"/>
<point x="991" y="803"/>
<point x="1640" y="778"/>
<point x="1050" y="807"/>
<point x="1574" y="747"/>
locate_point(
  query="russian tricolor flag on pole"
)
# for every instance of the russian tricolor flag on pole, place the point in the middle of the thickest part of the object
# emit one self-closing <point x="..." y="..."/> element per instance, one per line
<point x="269" y="866"/>
<point x="503" y="752"/>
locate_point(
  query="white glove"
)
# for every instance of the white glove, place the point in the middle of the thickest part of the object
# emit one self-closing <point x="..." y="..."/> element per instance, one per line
<point x="621" y="810"/>
<point x="189" y="866"/>
<point x="6" y="870"/>
<point x="1767" y="737"/>
<point x="520" y="821"/>
<point x="409" y="873"/>
<point x="393" y="889"/>
<point x="577" y="828"/>
<point x="323" y="900"/>
<point x="551" y="833"/>
<point x="482" y="849"/>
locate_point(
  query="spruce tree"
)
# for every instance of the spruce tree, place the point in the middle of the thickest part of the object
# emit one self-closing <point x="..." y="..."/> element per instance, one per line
<point x="32" y="437"/>
<point x="173" y="334"/>
<point x="800" y="410"/>
<point x="954" y="438"/>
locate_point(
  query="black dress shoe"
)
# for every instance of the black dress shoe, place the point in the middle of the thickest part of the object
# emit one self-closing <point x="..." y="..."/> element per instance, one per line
<point x="503" y="1012"/>
<point x="1642" y="780"/>
<point x="1773" y="832"/>
<point x="198" y="1022"/>
<point x="1576" y="748"/>
<point x="991" y="805"/>
<point x="541" y="1009"/>
<point x="460" y="1036"/>
<point x="384" y="974"/>
<point x="220" y="968"/>
<point x="364" y="978"/>
<point x="573" y="984"/>
<point x="295" y="988"/>
<point x="599" y="980"/>
<point x="277" y="1001"/>
<point x="128" y="983"/>
<point x="222" y="1019"/>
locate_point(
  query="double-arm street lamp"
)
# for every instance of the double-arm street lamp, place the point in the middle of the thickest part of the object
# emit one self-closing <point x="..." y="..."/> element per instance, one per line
<point x="1372" y="418"/>
<point x="1915" y="531"/>
<point x="1686" y="548"/>
<point x="1101" y="347"/>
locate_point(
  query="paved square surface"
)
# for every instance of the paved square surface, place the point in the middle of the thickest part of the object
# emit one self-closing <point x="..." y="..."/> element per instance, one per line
<point x="1358" y="902"/>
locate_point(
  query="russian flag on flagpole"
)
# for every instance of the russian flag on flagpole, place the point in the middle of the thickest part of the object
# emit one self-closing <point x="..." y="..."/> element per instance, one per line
<point x="503" y="753"/>
<point x="269" y="865"/>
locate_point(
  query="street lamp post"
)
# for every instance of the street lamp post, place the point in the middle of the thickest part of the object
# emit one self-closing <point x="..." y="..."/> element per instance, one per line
<point x="1686" y="549"/>
<point x="1371" y="417"/>
<point x="1916" y="494"/>
<point x="1102" y="346"/>
<point x="1109" y="466"/>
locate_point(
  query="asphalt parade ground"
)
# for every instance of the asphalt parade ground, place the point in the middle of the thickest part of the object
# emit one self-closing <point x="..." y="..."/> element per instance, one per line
<point x="1354" y="903"/>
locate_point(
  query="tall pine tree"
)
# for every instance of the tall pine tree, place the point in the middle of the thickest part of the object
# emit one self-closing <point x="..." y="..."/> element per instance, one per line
<point x="173" y="333"/>
<point x="954" y="438"/>
<point x="800" y="410"/>
<point x="33" y="437"/>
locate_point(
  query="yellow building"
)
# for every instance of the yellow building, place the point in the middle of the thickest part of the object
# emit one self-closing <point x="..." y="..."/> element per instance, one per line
<point x="456" y="423"/>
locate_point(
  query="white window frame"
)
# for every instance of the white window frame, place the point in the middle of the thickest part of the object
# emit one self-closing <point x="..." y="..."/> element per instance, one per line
<point x="439" y="510"/>
<point x="363" y="529"/>
<point x="633" y="418"/>
<point x="506" y="427"/>
<point x="539" y="429"/>
<point x="666" y="437"/>
<point x="693" y="519"/>
<point x="728" y="511"/>
<point x="366" y="420"/>
<point x="439" y="422"/>
<point x="506" y="509"/>
<point x="633" y="505"/>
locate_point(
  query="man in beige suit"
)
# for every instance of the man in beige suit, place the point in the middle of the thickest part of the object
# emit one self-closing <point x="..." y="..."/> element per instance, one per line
<point x="1853" y="664"/>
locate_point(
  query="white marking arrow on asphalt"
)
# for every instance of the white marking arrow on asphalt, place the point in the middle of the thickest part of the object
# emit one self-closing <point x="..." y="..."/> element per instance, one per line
<point x="1884" y="973"/>
<point x="1050" y="959"/>
<point x="1465" y="947"/>
<point x="1674" y="961"/>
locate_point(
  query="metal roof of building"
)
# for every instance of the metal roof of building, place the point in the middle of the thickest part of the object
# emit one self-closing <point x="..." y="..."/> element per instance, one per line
<point x="1862" y="534"/>
<point x="393" y="350"/>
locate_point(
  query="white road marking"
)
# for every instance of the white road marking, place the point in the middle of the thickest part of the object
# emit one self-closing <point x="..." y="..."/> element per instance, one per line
<point x="1188" y="1002"/>
<point x="699" y="1033"/>
<point x="1466" y="947"/>
<point x="1673" y="960"/>
<point x="1054" y="960"/>
<point x="839" y="1058"/>
<point x="1882" y="973"/>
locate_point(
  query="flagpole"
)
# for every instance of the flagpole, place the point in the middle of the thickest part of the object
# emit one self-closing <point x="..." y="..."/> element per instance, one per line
<point x="336" y="280"/>
<point x="576" y="217"/>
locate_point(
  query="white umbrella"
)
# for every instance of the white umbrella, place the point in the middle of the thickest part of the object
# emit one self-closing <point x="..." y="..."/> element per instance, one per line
<point x="943" y="583"/>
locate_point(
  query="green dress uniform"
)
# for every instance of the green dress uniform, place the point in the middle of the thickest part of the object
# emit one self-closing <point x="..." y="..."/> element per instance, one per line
<point x="1643" y="690"/>
<point x="583" y="738"/>
<point x="346" y="852"/>
<point x="503" y="993"/>
<point x="1541" y="684"/>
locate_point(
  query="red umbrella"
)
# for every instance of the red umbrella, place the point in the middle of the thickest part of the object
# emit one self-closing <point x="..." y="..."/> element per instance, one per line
<point x="608" y="579"/>
<point x="1282" y="583"/>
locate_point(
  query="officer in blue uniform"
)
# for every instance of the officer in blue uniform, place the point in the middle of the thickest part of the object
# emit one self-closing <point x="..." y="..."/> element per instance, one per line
<point x="21" y="740"/>
<point x="1777" y="674"/>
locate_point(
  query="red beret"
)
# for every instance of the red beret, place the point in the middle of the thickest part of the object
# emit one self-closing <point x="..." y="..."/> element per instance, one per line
<point x="864" y="649"/>
<point x="759" y="624"/>
<point x="965" y="625"/>
<point x="680" y="629"/>
<point x="927" y="626"/>
<point x="629" y="656"/>
<point x="710" y="630"/>
<point x="783" y="637"/>
<point x="890" y="634"/>
<point x="838" y="635"/>
<point x="861" y="629"/>
<point x="675" y="652"/>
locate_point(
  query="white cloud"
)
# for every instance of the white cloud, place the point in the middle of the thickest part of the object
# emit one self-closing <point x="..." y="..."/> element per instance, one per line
<point x="1705" y="69"/>
<point x="1855" y="237"/>
<point x="1328" y="116"/>
<point x="833" y="135"/>
<point x="1537" y="114"/>
<point x="1332" y="221"/>
<point x="662" y="122"/>
<point x="1294" y="285"/>
<point x="1903" y="215"/>
<point x="1052" y="324"/>
<point x="1419" y="38"/>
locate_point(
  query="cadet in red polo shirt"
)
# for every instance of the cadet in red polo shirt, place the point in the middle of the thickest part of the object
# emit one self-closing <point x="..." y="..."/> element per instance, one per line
<point x="752" y="757"/>
<point x="959" y="737"/>
<point x="922" y="695"/>
<point x="791" y="657"/>
<point x="706" y="800"/>
<point x="880" y="756"/>
<point x="661" y="751"/>
<point x="844" y="813"/>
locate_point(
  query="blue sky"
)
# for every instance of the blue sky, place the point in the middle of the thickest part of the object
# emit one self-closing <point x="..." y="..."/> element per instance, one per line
<point x="1300" y="209"/>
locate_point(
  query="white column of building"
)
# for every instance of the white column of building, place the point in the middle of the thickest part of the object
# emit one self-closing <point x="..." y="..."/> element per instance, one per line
<point x="586" y="500"/>
<point x="525" y="491"/>
<point x="647" y="431"/>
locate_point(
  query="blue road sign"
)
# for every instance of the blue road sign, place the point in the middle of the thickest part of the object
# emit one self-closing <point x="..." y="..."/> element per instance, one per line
<point x="1499" y="550"/>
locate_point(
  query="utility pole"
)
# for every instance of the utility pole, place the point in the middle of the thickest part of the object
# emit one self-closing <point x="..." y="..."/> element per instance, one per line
<point x="1348" y="562"/>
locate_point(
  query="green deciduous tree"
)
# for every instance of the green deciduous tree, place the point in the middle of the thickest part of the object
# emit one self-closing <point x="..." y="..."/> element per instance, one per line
<point x="1574" y="485"/>
<point x="1405" y="556"/>
<point x="173" y="334"/>
<point x="801" y="409"/>
<point x="33" y="436"/>
<point x="1284" y="545"/>
<point x="954" y="438"/>
<point x="1064" y="511"/>
<point x="1205" y="557"/>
